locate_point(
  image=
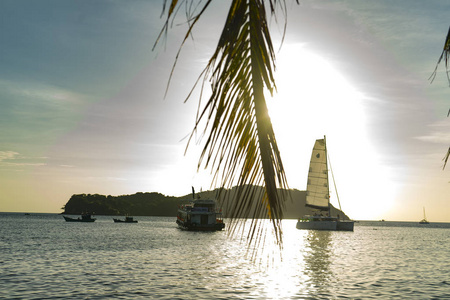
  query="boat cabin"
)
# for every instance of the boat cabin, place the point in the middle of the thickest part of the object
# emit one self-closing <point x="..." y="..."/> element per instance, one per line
<point x="200" y="214"/>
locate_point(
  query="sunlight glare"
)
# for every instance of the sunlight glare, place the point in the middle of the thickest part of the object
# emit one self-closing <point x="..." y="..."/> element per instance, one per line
<point x="314" y="99"/>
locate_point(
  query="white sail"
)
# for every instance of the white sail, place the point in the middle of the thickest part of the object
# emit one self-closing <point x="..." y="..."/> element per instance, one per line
<point x="317" y="191"/>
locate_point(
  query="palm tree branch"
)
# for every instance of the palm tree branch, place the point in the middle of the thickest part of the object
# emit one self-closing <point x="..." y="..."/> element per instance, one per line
<point x="445" y="159"/>
<point x="444" y="55"/>
<point x="192" y="21"/>
<point x="241" y="147"/>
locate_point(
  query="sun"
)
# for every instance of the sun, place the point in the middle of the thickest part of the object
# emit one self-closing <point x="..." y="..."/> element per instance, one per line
<point x="314" y="99"/>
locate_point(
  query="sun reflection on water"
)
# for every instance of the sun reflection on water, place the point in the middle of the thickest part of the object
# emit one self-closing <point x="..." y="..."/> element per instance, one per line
<point x="301" y="268"/>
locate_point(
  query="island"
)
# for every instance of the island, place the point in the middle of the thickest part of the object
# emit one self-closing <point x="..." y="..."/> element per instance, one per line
<point x="157" y="204"/>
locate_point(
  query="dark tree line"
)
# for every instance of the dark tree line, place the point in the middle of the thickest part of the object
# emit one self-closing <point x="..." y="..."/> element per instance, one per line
<point x="139" y="204"/>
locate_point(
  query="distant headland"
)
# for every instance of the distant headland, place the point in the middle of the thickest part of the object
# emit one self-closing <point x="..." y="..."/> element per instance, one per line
<point x="157" y="204"/>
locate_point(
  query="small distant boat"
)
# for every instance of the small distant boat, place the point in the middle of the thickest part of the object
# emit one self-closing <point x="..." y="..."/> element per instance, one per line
<point x="84" y="218"/>
<point x="424" y="220"/>
<point x="200" y="215"/>
<point x="127" y="220"/>
<point x="318" y="194"/>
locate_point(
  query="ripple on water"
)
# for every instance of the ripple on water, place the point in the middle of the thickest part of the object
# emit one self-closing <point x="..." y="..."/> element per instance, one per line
<point x="48" y="258"/>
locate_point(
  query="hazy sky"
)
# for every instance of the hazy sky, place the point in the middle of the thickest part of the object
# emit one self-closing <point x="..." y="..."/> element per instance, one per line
<point x="82" y="107"/>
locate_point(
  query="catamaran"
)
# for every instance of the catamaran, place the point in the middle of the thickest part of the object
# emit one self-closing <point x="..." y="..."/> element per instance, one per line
<point x="318" y="194"/>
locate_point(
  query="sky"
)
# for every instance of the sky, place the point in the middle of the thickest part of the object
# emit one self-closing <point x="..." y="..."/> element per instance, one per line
<point x="84" y="108"/>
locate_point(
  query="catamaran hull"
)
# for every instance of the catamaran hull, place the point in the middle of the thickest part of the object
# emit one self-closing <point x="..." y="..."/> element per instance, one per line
<point x="317" y="225"/>
<point x="345" y="225"/>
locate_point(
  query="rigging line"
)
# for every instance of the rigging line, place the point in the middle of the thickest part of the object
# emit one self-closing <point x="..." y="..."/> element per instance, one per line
<point x="334" y="182"/>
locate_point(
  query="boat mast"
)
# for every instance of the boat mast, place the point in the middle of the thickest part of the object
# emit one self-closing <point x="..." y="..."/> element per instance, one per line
<point x="326" y="170"/>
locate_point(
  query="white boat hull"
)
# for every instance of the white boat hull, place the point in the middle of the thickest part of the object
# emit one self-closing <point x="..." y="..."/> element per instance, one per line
<point x="327" y="223"/>
<point x="317" y="225"/>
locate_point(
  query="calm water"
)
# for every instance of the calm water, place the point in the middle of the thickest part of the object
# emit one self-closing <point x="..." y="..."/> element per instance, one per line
<point x="44" y="257"/>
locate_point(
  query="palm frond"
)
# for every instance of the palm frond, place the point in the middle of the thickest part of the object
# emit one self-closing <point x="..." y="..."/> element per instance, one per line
<point x="445" y="55"/>
<point x="445" y="159"/>
<point x="241" y="148"/>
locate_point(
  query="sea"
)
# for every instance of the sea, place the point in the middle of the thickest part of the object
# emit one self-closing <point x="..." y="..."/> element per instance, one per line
<point x="44" y="257"/>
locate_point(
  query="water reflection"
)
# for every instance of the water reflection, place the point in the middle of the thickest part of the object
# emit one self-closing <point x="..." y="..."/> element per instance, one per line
<point x="318" y="260"/>
<point x="306" y="267"/>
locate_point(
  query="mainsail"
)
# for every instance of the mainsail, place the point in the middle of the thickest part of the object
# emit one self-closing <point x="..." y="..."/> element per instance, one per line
<point x="317" y="191"/>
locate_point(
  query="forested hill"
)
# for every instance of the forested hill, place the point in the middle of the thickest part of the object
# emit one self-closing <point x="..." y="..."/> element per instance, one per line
<point x="156" y="204"/>
<point x="139" y="204"/>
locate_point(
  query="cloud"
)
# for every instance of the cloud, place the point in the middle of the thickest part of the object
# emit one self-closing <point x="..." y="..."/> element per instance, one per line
<point x="12" y="158"/>
<point x="26" y="164"/>
<point x="42" y="92"/>
<point x="7" y="155"/>
<point x="101" y="178"/>
<point x="439" y="133"/>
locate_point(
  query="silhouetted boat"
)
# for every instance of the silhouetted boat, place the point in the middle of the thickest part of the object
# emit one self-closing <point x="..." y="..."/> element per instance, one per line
<point x="200" y="215"/>
<point x="318" y="194"/>
<point x="84" y="218"/>
<point x="127" y="220"/>
<point x="424" y="220"/>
